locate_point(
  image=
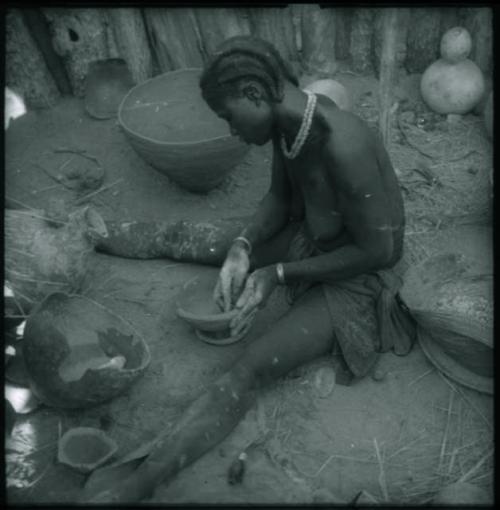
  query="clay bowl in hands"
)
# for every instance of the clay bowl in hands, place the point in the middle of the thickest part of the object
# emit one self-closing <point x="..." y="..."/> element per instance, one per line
<point x="196" y="306"/>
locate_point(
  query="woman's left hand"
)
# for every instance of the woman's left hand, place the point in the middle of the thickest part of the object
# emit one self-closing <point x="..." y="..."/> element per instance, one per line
<point x="259" y="286"/>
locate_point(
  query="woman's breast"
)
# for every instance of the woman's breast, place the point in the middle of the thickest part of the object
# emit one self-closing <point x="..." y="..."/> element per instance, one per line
<point x="323" y="221"/>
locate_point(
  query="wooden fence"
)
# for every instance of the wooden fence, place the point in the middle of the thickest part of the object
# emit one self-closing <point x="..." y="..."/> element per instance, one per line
<point x="48" y="50"/>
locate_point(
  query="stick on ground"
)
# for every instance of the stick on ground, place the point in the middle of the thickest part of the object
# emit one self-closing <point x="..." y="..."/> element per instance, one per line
<point x="103" y="188"/>
<point x="381" y="477"/>
<point x="446" y="430"/>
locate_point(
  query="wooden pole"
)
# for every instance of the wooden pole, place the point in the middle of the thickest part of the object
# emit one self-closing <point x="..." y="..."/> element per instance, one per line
<point x="390" y="29"/>
<point x="318" y="40"/>
<point x="362" y="25"/>
<point x="25" y="69"/>
<point x="478" y="21"/>
<point x="132" y="41"/>
<point x="423" y="39"/>
<point x="37" y="25"/>
<point x="174" y="37"/>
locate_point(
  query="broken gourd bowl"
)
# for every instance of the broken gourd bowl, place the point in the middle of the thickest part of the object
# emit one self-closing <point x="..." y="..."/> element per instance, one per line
<point x="85" y="448"/>
<point x="78" y="353"/>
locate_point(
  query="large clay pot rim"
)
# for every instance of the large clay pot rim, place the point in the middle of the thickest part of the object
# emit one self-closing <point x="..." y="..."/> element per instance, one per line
<point x="161" y="142"/>
<point x="450" y="367"/>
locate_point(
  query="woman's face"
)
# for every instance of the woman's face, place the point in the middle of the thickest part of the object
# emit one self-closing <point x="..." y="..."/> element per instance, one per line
<point x="249" y="119"/>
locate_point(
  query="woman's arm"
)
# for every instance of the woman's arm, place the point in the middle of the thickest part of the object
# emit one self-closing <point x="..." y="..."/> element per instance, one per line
<point x="274" y="209"/>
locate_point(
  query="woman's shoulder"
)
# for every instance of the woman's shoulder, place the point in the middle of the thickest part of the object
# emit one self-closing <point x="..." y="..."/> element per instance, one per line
<point x="343" y="125"/>
<point x="349" y="134"/>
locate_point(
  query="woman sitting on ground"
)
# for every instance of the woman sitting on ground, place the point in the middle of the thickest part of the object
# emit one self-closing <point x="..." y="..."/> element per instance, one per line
<point x="330" y="228"/>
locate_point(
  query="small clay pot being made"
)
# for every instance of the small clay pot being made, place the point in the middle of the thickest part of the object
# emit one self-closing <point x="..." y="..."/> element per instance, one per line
<point x="196" y="306"/>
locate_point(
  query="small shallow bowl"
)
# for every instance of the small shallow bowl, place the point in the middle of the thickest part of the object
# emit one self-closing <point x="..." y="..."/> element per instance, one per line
<point x="219" y="338"/>
<point x="170" y="126"/>
<point x="107" y="83"/>
<point x="196" y="306"/>
<point x="208" y="318"/>
<point x="85" y="448"/>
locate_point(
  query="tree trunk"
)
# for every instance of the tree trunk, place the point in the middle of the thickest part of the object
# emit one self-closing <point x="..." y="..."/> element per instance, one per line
<point x="424" y="38"/>
<point x="132" y="41"/>
<point x="25" y="69"/>
<point x="449" y="19"/>
<point x="174" y="38"/>
<point x="79" y="36"/>
<point x="218" y="24"/>
<point x="478" y="21"/>
<point x="37" y="26"/>
<point x="318" y="40"/>
<point x="343" y="22"/>
<point x="361" y="40"/>
<point x="400" y="41"/>
<point x="391" y="24"/>
<point x="276" y="26"/>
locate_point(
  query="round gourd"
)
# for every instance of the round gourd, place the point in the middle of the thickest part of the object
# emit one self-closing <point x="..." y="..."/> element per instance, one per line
<point x="333" y="90"/>
<point x="456" y="45"/>
<point x="452" y="88"/>
<point x="488" y="115"/>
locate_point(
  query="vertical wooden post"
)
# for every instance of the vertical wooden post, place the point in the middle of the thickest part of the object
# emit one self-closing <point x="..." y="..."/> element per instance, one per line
<point x="25" y="69"/>
<point x="478" y="21"/>
<point x="132" y="41"/>
<point x="174" y="37"/>
<point x="388" y="59"/>
<point x="361" y="39"/>
<point x="402" y="35"/>
<point x="343" y="22"/>
<point x="423" y="39"/>
<point x="217" y="24"/>
<point x="275" y="24"/>
<point x="318" y="40"/>
<point x="37" y="25"/>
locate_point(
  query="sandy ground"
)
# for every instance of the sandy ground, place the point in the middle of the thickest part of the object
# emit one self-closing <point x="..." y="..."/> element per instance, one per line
<point x="400" y="438"/>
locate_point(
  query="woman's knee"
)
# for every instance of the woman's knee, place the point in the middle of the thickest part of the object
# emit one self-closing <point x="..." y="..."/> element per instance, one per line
<point x="239" y="379"/>
<point x="304" y="333"/>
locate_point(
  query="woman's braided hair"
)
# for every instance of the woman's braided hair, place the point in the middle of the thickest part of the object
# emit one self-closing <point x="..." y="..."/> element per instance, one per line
<point x="245" y="58"/>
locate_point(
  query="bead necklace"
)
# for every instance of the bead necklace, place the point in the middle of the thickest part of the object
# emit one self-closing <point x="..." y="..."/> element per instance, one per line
<point x="305" y="127"/>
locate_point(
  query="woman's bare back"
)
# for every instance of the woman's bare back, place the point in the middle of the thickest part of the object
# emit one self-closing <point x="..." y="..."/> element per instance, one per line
<point x="315" y="194"/>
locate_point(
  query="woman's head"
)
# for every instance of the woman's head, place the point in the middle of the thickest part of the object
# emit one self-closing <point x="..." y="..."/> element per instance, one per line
<point x="241" y="81"/>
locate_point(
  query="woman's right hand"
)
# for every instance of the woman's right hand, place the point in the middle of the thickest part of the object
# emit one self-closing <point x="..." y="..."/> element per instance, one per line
<point x="232" y="277"/>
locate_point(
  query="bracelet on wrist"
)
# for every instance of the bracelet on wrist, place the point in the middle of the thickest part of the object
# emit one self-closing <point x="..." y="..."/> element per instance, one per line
<point x="280" y="273"/>
<point x="246" y="242"/>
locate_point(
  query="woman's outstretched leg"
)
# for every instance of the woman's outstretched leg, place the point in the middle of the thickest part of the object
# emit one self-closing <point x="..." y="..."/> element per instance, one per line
<point x="301" y="335"/>
<point x="187" y="241"/>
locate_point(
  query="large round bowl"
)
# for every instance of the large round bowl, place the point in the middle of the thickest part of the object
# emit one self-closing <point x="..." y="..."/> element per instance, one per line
<point x="171" y="127"/>
<point x="453" y="308"/>
<point x="78" y="353"/>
